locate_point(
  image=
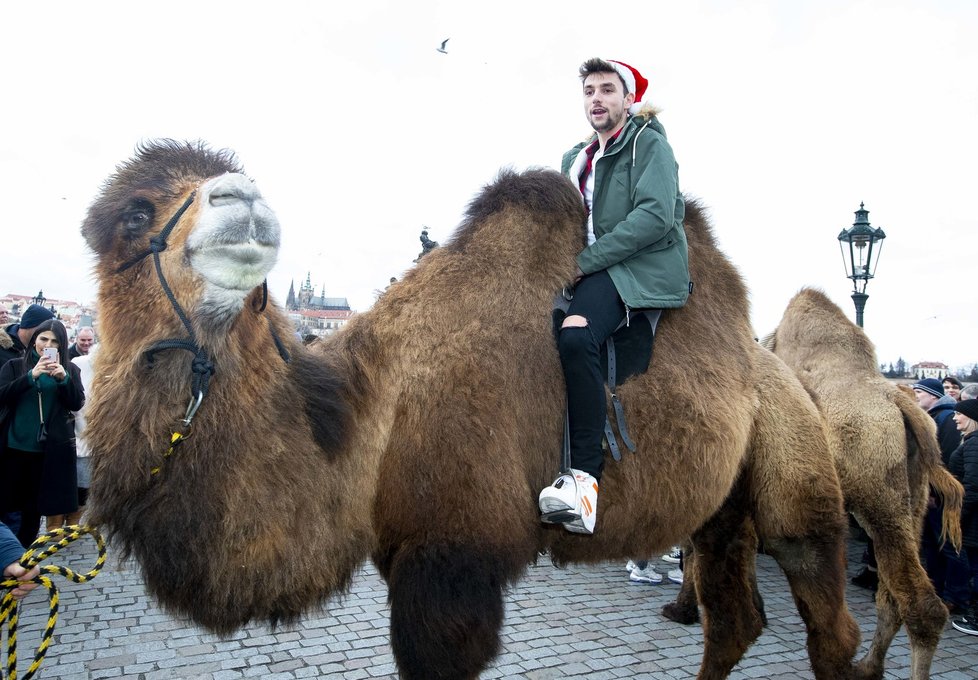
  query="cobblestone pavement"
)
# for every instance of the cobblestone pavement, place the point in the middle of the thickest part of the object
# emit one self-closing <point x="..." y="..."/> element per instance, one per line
<point x="110" y="628"/>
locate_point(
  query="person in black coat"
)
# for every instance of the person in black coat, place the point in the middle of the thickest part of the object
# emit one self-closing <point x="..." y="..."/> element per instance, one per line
<point x="964" y="466"/>
<point x="37" y="437"/>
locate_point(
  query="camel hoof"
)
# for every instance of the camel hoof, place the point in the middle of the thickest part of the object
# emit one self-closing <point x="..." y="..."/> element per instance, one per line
<point x="684" y="615"/>
<point x="864" y="670"/>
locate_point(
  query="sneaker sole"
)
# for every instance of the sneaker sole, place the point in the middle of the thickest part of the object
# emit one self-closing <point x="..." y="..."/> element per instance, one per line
<point x="644" y="582"/>
<point x="670" y="559"/>
<point x="559" y="517"/>
<point x="966" y="631"/>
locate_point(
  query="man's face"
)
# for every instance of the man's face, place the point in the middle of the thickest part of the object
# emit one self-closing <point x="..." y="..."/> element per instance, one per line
<point x="951" y="390"/>
<point x="925" y="399"/>
<point x="84" y="341"/>
<point x="605" y="101"/>
<point x="24" y="335"/>
<point x="4" y="314"/>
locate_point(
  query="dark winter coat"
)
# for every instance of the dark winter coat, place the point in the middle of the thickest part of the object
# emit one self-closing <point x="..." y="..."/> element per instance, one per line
<point x="948" y="437"/>
<point x="964" y="466"/>
<point x="10" y="345"/>
<point x="59" y="487"/>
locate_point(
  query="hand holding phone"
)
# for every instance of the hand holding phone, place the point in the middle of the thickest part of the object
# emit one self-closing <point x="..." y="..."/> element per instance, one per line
<point x="51" y="353"/>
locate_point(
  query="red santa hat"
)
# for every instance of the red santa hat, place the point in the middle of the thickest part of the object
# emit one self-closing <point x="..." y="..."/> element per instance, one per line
<point x="634" y="81"/>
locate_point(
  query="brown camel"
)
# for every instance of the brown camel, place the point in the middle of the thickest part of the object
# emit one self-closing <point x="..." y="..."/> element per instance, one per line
<point x="420" y="435"/>
<point x="885" y="450"/>
<point x="886" y="453"/>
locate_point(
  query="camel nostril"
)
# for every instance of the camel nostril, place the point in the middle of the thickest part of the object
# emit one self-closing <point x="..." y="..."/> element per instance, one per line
<point x="226" y="199"/>
<point x="232" y="188"/>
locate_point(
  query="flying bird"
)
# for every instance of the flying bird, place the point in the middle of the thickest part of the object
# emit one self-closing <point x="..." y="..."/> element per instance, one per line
<point x="442" y="48"/>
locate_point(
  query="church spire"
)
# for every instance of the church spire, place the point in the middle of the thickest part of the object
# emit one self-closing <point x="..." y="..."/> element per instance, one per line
<point x="290" y="300"/>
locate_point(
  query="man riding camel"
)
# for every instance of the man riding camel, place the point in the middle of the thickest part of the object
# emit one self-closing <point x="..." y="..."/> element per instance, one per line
<point x="635" y="259"/>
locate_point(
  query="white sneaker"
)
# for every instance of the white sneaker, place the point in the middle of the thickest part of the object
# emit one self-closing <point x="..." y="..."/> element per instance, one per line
<point x="676" y="575"/>
<point x="672" y="557"/>
<point x="629" y="566"/>
<point x="572" y="500"/>
<point x="647" y="575"/>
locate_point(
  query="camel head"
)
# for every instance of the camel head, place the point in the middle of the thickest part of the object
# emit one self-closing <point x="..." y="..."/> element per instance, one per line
<point x="224" y="242"/>
<point x="183" y="241"/>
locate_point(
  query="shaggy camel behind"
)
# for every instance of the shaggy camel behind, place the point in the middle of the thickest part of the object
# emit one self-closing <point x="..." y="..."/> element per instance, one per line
<point x="885" y="449"/>
<point x="420" y="435"/>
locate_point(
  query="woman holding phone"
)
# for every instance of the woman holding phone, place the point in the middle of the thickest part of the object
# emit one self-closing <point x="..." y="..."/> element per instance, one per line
<point x="38" y="393"/>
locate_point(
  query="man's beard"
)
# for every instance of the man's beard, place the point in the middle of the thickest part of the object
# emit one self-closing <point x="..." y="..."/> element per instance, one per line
<point x="610" y="123"/>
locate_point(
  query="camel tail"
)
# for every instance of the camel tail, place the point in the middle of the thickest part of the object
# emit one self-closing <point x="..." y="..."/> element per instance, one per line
<point x="922" y="432"/>
<point x="952" y="494"/>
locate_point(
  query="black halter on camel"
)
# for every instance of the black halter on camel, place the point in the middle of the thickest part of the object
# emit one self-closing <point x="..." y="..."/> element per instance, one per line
<point x="202" y="368"/>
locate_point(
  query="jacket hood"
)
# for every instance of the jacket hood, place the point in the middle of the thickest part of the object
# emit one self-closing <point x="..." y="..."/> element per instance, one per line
<point x="943" y="404"/>
<point x="650" y="114"/>
<point x="7" y="337"/>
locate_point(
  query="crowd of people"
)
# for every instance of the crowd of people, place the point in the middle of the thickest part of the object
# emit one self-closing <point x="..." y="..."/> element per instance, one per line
<point x="43" y="465"/>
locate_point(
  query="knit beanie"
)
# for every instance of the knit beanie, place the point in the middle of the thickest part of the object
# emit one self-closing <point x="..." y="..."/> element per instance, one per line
<point x="969" y="407"/>
<point x="34" y="316"/>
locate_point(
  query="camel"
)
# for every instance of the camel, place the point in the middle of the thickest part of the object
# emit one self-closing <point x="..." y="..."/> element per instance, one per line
<point x="885" y="450"/>
<point x="886" y="453"/>
<point x="420" y="434"/>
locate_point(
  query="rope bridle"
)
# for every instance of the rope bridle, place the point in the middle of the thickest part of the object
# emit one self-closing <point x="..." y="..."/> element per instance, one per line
<point x="202" y="368"/>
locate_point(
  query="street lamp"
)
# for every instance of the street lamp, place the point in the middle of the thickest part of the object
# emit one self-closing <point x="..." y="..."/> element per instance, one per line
<point x="860" y="255"/>
<point x="39" y="299"/>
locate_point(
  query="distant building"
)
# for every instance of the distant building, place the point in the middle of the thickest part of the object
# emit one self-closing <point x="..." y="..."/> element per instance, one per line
<point x="930" y="369"/>
<point x="316" y="315"/>
<point x="73" y="315"/>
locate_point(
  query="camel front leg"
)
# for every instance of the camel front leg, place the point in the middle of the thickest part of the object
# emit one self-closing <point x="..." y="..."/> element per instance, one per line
<point x="446" y="607"/>
<point x="684" y="608"/>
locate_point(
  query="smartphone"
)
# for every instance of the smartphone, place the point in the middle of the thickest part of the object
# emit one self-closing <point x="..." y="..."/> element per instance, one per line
<point x="51" y="353"/>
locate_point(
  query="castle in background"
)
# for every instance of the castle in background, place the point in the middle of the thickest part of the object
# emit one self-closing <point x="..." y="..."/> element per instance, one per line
<point x="316" y="315"/>
<point x="73" y="315"/>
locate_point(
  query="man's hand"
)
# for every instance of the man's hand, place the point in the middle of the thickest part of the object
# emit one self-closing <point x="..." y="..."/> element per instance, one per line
<point x="18" y="572"/>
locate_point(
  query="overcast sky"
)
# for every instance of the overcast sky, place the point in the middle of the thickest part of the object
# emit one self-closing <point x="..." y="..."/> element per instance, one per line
<point x="784" y="116"/>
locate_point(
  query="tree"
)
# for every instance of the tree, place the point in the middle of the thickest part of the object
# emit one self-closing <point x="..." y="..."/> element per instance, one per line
<point x="901" y="368"/>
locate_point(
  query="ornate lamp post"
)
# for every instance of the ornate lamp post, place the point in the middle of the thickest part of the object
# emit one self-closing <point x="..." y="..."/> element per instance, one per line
<point x="39" y="299"/>
<point x="861" y="246"/>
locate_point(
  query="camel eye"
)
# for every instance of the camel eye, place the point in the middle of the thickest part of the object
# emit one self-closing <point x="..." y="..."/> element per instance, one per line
<point x="137" y="218"/>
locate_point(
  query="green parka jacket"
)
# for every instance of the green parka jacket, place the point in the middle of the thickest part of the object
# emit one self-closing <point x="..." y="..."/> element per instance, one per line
<point x="638" y="217"/>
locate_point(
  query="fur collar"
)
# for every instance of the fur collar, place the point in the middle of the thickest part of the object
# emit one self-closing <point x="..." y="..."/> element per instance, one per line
<point x="6" y="341"/>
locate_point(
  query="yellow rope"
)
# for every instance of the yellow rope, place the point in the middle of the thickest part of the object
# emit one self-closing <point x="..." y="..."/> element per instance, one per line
<point x="36" y="554"/>
<point x="175" y="440"/>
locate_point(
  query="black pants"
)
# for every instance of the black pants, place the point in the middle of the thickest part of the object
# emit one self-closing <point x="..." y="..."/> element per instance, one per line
<point x="597" y="300"/>
<point x="26" y="468"/>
